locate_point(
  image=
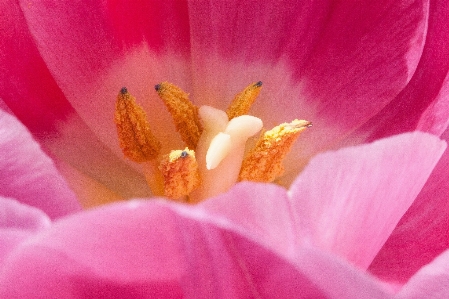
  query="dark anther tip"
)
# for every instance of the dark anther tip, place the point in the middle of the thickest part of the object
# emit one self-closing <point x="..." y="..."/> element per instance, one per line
<point x="309" y="125"/>
<point x="157" y="87"/>
<point x="123" y="90"/>
<point x="184" y="154"/>
<point x="258" y="84"/>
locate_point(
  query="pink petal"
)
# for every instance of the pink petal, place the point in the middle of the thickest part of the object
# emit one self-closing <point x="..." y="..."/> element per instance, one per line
<point x="28" y="175"/>
<point x="423" y="102"/>
<point x="26" y="85"/>
<point x="422" y="233"/>
<point x="309" y="54"/>
<point x="140" y="248"/>
<point x="268" y="218"/>
<point x="17" y="223"/>
<point x="349" y="201"/>
<point x="161" y="24"/>
<point x="263" y="210"/>
<point x="5" y="107"/>
<point x="432" y="281"/>
<point x="110" y="51"/>
<point x="335" y="64"/>
<point x="30" y="92"/>
<point x="337" y="278"/>
<point x="436" y="118"/>
<point x="81" y="156"/>
<point x="366" y="56"/>
<point x="15" y="215"/>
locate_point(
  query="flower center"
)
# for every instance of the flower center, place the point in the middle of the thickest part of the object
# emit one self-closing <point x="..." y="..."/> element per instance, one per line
<point x="214" y="158"/>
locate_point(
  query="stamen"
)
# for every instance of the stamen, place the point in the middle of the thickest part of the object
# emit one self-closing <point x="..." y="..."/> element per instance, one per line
<point x="136" y="139"/>
<point x="219" y="141"/>
<point x="244" y="100"/>
<point x="183" y="111"/>
<point x="264" y="162"/>
<point x="180" y="171"/>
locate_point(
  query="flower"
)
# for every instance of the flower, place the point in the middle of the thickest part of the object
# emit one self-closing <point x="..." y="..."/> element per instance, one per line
<point x="359" y="72"/>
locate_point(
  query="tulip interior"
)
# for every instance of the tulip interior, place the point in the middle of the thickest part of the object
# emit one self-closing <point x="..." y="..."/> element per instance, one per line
<point x="216" y="154"/>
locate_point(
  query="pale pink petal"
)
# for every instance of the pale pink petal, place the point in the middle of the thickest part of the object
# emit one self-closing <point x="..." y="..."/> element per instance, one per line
<point x="349" y="201"/>
<point x="436" y="118"/>
<point x="422" y="233"/>
<point x="28" y="174"/>
<point x="261" y="209"/>
<point x="17" y="223"/>
<point x="15" y="215"/>
<point x="431" y="281"/>
<point x="336" y="277"/>
<point x="145" y="248"/>
<point x="78" y="148"/>
<point x="5" y="107"/>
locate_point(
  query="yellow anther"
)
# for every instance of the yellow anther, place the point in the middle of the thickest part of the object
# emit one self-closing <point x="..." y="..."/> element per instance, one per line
<point x="180" y="171"/>
<point x="264" y="162"/>
<point x="244" y="100"/>
<point x="136" y="139"/>
<point x="183" y="111"/>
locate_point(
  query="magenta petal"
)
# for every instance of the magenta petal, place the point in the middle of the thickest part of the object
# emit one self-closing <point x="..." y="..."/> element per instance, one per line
<point x="144" y="248"/>
<point x="93" y="50"/>
<point x="28" y="175"/>
<point x="336" y="64"/>
<point x="423" y="103"/>
<point x="5" y="107"/>
<point x="26" y="85"/>
<point x="366" y="55"/>
<point x="17" y="223"/>
<point x="348" y="60"/>
<point x="432" y="281"/>
<point x="31" y="93"/>
<point x="422" y="233"/>
<point x="349" y="201"/>
<point x="255" y="30"/>
<point x="159" y="23"/>
<point x="436" y="118"/>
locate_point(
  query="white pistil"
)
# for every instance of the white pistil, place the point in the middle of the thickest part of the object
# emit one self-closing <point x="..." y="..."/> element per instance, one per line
<point x="242" y="127"/>
<point x="237" y="131"/>
<point x="221" y="149"/>
<point x="213" y="120"/>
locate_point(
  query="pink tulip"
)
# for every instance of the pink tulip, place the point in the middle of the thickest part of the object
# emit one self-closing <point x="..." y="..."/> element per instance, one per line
<point x="348" y="226"/>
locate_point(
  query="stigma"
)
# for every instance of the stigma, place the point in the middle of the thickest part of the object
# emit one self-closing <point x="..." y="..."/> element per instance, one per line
<point x="216" y="155"/>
